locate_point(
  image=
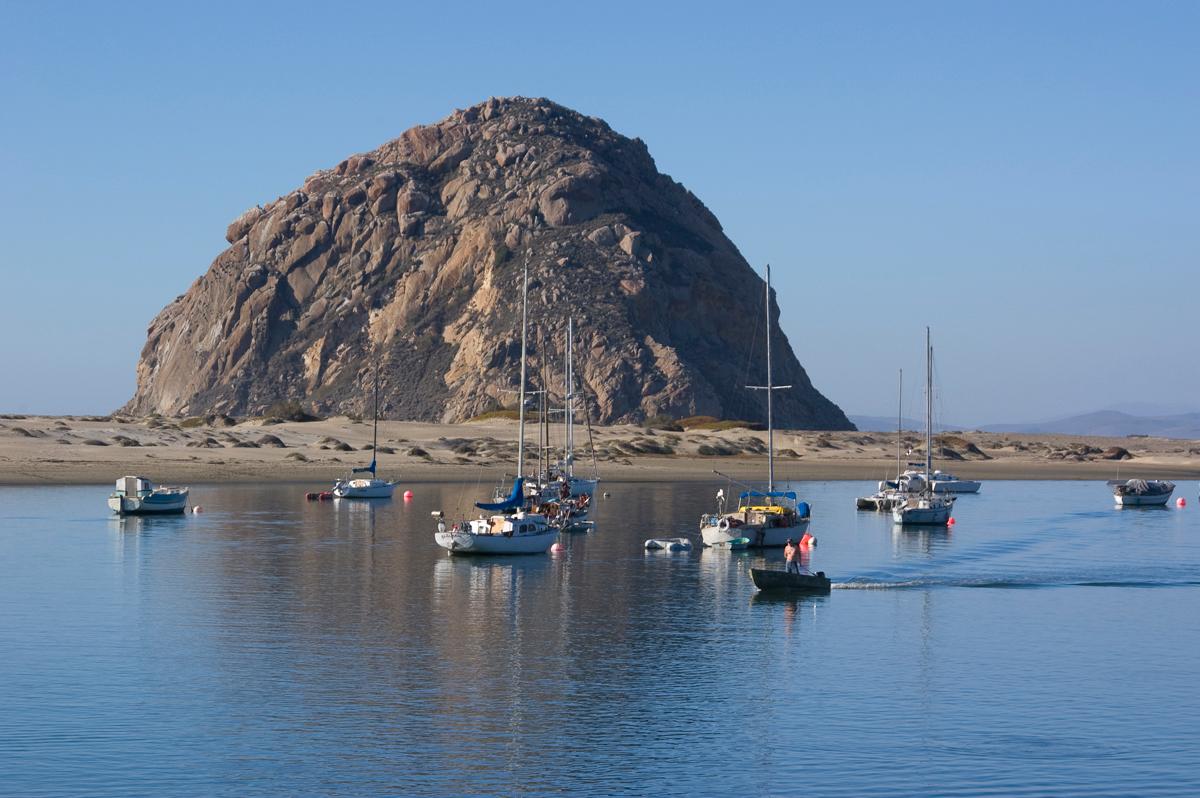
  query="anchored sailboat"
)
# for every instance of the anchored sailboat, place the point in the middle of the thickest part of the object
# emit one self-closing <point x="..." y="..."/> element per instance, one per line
<point x="512" y="528"/>
<point x="372" y="487"/>
<point x="891" y="492"/>
<point x="922" y="505"/>
<point x="559" y="483"/>
<point x="763" y="518"/>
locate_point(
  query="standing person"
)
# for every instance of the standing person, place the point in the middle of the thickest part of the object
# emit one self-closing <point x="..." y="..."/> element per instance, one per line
<point x="791" y="557"/>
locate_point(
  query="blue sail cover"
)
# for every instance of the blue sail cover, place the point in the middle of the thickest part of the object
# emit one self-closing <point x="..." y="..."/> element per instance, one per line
<point x="370" y="468"/>
<point x="777" y="494"/>
<point x="514" y="500"/>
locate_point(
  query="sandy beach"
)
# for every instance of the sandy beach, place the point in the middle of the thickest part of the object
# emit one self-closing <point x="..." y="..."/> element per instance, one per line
<point x="47" y="450"/>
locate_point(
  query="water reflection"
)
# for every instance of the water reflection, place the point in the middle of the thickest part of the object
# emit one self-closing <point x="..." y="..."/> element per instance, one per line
<point x="333" y="648"/>
<point x="924" y="540"/>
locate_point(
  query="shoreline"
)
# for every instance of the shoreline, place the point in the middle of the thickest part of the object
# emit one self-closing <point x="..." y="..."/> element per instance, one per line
<point x="70" y="450"/>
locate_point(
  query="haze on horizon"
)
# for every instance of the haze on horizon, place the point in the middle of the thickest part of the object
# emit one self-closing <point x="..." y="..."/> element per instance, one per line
<point x="1021" y="177"/>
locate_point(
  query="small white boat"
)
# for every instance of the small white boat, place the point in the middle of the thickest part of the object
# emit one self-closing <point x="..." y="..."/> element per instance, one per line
<point x="668" y="544"/>
<point x="925" y="509"/>
<point x="1142" y="492"/>
<point x="139" y="496"/>
<point x="364" y="488"/>
<point x="518" y="533"/>
<point x="943" y="482"/>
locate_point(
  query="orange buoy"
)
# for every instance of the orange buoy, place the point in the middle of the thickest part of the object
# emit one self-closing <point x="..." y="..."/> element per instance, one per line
<point x="950" y="521"/>
<point x="557" y="548"/>
<point x="807" y="540"/>
<point x="1181" y="502"/>
<point x="197" y="509"/>
<point x="408" y="494"/>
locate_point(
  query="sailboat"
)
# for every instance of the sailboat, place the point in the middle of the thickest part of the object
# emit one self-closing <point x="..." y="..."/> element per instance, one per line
<point x="372" y="487"/>
<point x="511" y="528"/>
<point x="763" y="518"/>
<point x="890" y="492"/>
<point x="922" y="505"/>
<point x="559" y="484"/>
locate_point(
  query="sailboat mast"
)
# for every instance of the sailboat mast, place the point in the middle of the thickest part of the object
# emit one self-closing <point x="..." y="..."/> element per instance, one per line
<point x="570" y="409"/>
<point x="521" y="391"/>
<point x="899" y="424"/>
<point x="770" y="391"/>
<point x="375" y="431"/>
<point x="928" y="407"/>
<point x="543" y="424"/>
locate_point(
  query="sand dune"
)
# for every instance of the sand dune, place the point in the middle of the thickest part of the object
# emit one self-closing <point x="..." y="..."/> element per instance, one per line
<point x="59" y="450"/>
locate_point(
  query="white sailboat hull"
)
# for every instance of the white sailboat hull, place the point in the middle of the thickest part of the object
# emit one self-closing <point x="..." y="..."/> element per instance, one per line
<point x="923" y="512"/>
<point x="364" y="489"/>
<point x="467" y="542"/>
<point x="760" y="537"/>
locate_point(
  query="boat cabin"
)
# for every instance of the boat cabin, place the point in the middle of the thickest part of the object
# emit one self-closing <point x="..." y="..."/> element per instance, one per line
<point x="771" y="503"/>
<point x="509" y="525"/>
<point x="134" y="487"/>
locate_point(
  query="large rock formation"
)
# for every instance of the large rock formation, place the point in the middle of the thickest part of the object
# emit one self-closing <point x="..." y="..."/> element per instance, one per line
<point x="412" y="254"/>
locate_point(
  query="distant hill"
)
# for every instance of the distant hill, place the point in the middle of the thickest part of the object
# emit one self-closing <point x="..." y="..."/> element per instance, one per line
<point x="888" y="424"/>
<point x="1106" y="423"/>
<point x="1109" y="423"/>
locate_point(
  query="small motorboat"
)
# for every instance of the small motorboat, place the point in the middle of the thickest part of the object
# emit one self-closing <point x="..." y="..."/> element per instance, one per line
<point x="668" y="544"/>
<point x="1142" y="492"/>
<point x="781" y="581"/>
<point x="139" y="496"/>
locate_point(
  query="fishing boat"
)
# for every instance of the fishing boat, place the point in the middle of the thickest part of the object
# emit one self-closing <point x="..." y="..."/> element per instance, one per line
<point x="1142" y="492"/>
<point x="772" y="581"/>
<point x="512" y="526"/>
<point x="371" y="487"/>
<point x="765" y="518"/>
<point x="140" y="496"/>
<point x="921" y="504"/>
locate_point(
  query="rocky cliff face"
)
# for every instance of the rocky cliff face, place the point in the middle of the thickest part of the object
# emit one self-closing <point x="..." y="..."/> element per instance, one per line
<point x="412" y="255"/>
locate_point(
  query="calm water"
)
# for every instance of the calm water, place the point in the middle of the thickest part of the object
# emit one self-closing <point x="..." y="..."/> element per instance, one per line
<point x="1048" y="645"/>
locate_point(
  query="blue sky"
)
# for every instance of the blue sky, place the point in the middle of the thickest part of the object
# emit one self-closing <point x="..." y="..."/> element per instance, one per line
<point x="1023" y="177"/>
